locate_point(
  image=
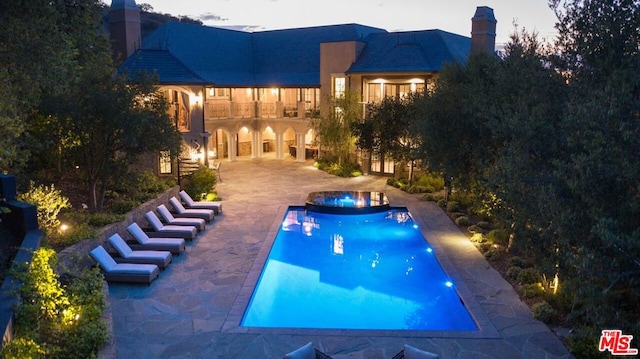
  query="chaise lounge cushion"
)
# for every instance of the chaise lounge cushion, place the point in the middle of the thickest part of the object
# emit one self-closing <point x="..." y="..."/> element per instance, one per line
<point x="128" y="255"/>
<point x="206" y="214"/>
<point x="190" y="203"/>
<point x="173" y="245"/>
<point x="168" y="218"/>
<point x="169" y="230"/>
<point x="123" y="272"/>
<point x="306" y="351"/>
<point x="415" y="353"/>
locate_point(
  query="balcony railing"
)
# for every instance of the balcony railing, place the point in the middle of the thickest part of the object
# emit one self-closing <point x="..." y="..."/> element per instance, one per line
<point x="230" y="109"/>
<point x="244" y="110"/>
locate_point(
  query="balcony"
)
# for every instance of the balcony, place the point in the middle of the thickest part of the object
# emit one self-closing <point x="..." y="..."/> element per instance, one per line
<point x="216" y="110"/>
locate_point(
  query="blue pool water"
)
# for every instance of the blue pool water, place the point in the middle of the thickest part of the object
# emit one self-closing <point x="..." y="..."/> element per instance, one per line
<point x="366" y="271"/>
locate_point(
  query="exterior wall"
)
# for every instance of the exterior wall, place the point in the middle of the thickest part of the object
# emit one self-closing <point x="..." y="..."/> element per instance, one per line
<point x="336" y="58"/>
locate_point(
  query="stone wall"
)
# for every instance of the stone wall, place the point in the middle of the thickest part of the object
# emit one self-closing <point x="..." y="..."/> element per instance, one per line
<point x="79" y="252"/>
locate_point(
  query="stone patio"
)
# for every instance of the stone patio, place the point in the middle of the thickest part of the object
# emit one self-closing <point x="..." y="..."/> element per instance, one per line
<point x="194" y="308"/>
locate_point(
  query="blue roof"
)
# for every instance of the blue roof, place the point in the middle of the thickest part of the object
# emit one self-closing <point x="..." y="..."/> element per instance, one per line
<point x="412" y="51"/>
<point x="193" y="54"/>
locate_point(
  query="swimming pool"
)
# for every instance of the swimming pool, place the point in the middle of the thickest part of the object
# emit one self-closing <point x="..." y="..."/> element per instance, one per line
<point x="370" y="271"/>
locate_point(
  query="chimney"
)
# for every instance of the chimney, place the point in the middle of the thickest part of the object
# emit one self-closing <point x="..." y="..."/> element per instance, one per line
<point x="483" y="30"/>
<point x="124" y="26"/>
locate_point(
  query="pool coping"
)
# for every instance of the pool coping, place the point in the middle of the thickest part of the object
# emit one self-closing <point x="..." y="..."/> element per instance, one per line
<point x="486" y="329"/>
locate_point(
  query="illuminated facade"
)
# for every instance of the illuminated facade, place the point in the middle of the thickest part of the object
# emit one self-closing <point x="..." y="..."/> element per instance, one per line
<point x="235" y="93"/>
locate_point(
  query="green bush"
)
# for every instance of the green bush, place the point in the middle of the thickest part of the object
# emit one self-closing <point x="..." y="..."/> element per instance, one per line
<point x="432" y="180"/>
<point x="420" y="189"/>
<point x="49" y="202"/>
<point x="484" y="225"/>
<point x="346" y="169"/>
<point x="391" y="181"/>
<point x="463" y="221"/>
<point x="475" y="229"/>
<point x="203" y="180"/>
<point x="516" y="261"/>
<point x="441" y="202"/>
<point x="498" y="236"/>
<point x="532" y="290"/>
<point x="528" y="276"/>
<point x="583" y="343"/>
<point x="57" y="321"/>
<point x="148" y="182"/>
<point x="103" y="219"/>
<point x="428" y="197"/>
<point x="453" y="206"/>
<point x="513" y="272"/>
<point x="124" y="205"/>
<point x="494" y="254"/>
<point x="456" y="214"/>
<point x="544" y="312"/>
<point x="76" y="233"/>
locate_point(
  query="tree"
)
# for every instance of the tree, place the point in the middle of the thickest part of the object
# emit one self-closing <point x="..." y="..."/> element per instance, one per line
<point x="387" y="130"/>
<point x="334" y="129"/>
<point x="115" y="122"/>
<point x="600" y="48"/>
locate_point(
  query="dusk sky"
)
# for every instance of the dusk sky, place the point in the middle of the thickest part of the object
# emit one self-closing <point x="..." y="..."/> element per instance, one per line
<point x="392" y="15"/>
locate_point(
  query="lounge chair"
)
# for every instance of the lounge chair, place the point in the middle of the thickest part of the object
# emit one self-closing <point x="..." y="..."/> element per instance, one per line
<point x="410" y="352"/>
<point x="128" y="255"/>
<point x="168" y="218"/>
<point x="206" y="214"/>
<point x="123" y="272"/>
<point x="190" y="203"/>
<point x="306" y="351"/>
<point x="170" y="230"/>
<point x="173" y="245"/>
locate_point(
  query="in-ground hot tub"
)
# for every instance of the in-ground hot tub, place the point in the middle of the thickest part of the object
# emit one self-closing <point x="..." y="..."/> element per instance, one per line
<point x="347" y="202"/>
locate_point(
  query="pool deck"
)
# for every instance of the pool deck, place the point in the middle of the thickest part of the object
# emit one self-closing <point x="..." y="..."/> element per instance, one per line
<point x="194" y="308"/>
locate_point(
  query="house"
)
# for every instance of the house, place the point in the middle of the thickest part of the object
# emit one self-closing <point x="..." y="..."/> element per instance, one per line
<point x="235" y="93"/>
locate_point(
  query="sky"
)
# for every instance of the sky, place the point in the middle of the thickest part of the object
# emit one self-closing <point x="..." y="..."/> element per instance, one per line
<point x="392" y="15"/>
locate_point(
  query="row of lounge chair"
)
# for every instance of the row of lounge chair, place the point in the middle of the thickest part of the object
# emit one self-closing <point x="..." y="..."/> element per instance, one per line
<point x="309" y="352"/>
<point x="141" y="260"/>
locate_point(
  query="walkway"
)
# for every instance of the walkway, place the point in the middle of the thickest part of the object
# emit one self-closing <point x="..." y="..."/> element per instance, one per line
<point x="193" y="309"/>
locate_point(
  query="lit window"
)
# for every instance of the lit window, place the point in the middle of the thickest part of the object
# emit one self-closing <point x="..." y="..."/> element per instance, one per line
<point x="339" y="87"/>
<point x="165" y="162"/>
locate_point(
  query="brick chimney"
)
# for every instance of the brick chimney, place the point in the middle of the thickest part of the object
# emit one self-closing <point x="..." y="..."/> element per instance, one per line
<point x="483" y="30"/>
<point x="124" y="26"/>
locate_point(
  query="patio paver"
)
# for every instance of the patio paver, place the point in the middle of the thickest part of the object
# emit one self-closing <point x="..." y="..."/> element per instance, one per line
<point x="194" y="308"/>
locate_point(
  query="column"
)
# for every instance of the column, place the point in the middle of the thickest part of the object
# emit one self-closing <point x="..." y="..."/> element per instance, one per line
<point x="232" y="145"/>
<point x="300" y="148"/>
<point x="280" y="146"/>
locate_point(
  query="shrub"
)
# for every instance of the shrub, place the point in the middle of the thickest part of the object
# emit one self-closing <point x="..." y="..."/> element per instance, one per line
<point x="73" y="235"/>
<point x="203" y="180"/>
<point x="103" y="219"/>
<point x="532" y="290"/>
<point x="478" y="238"/>
<point x="463" y="221"/>
<point x="513" y="272"/>
<point x="391" y="181"/>
<point x="453" y="206"/>
<point x="432" y="180"/>
<point x="494" y="254"/>
<point x="475" y="229"/>
<point x="498" y="236"/>
<point x="345" y="169"/>
<point x="124" y="205"/>
<point x="528" y="276"/>
<point x="428" y="197"/>
<point x="516" y="261"/>
<point x="151" y="184"/>
<point x="456" y="214"/>
<point x="49" y="202"/>
<point x="583" y="342"/>
<point x="484" y="225"/>
<point x="420" y="189"/>
<point x="56" y="321"/>
<point x="544" y="312"/>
